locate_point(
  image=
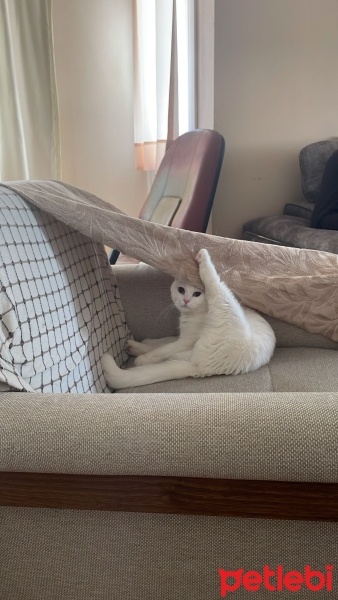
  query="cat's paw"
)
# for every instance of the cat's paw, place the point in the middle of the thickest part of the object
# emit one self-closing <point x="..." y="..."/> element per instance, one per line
<point x="140" y="361"/>
<point x="202" y="256"/>
<point x="145" y="359"/>
<point x="108" y="362"/>
<point x="134" y="348"/>
<point x="109" y="368"/>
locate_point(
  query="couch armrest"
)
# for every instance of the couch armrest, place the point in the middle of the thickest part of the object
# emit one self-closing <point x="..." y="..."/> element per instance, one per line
<point x="215" y="454"/>
<point x="270" y="436"/>
<point x="301" y="208"/>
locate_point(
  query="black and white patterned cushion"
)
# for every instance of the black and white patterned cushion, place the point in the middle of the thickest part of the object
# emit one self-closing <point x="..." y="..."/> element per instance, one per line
<point x="60" y="307"/>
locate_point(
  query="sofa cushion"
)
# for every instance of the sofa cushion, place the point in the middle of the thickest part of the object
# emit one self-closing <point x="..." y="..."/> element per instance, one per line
<point x="290" y="370"/>
<point x="59" y="301"/>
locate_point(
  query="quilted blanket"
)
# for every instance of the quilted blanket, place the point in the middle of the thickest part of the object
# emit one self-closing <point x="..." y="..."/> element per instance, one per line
<point x="295" y="285"/>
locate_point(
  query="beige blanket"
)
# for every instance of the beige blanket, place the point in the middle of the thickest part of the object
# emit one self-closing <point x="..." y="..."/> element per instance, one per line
<point x="295" y="285"/>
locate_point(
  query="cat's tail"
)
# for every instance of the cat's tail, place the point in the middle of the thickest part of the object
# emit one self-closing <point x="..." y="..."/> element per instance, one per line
<point x="146" y="374"/>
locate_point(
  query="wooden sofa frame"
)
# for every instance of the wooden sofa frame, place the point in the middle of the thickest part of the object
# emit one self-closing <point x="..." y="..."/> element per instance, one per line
<point x="175" y="495"/>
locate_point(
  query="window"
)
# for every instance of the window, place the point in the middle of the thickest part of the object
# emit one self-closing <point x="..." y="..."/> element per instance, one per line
<point x="164" y="76"/>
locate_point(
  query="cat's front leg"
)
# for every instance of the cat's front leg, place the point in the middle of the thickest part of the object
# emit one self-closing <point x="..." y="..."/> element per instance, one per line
<point x="207" y="271"/>
<point x="163" y="353"/>
<point x="137" y="348"/>
<point x="219" y="297"/>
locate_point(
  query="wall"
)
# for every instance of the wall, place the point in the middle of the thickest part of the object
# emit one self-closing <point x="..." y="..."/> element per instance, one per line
<point x="93" y="56"/>
<point x="276" y="90"/>
<point x="205" y="30"/>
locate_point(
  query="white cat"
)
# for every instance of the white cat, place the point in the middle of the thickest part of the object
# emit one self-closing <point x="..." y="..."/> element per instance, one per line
<point x="217" y="337"/>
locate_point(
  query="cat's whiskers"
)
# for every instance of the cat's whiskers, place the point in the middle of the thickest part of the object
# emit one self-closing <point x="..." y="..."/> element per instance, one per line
<point x="166" y="312"/>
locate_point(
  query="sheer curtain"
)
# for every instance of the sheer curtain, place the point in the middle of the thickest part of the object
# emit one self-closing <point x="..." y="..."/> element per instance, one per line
<point x="164" y="76"/>
<point x="29" y="124"/>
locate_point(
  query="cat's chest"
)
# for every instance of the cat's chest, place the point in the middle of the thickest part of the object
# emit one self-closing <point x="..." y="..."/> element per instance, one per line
<point x="190" y="325"/>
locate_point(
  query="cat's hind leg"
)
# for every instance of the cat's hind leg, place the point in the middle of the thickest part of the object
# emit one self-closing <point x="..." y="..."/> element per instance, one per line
<point x="137" y="348"/>
<point x="135" y="376"/>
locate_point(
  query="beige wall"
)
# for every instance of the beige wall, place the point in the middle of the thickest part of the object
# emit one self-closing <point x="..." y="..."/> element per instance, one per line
<point x="93" y="55"/>
<point x="205" y="17"/>
<point x="276" y="90"/>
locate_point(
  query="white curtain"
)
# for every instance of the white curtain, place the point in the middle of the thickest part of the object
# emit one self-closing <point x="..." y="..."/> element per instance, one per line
<point x="29" y="124"/>
<point x="164" y="76"/>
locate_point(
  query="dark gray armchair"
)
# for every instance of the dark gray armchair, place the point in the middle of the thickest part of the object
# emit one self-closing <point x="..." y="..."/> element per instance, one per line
<point x="292" y="228"/>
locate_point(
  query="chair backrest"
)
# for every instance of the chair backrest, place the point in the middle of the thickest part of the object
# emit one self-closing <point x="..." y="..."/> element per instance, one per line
<point x="185" y="184"/>
<point x="312" y="161"/>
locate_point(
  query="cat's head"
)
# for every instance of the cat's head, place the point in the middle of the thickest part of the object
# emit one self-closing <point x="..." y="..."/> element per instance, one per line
<point x="187" y="298"/>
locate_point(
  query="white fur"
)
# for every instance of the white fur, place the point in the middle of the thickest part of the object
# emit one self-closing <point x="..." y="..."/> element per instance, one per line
<point x="217" y="337"/>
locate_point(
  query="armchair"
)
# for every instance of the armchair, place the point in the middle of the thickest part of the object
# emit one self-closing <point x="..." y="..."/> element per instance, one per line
<point x="293" y="227"/>
<point x="185" y="184"/>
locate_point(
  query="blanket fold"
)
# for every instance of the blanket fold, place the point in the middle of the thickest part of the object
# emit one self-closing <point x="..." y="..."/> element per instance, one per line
<point x="295" y="285"/>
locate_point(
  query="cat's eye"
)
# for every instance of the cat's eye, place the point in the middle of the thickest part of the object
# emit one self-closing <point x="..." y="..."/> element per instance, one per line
<point x="181" y="290"/>
<point x="196" y="294"/>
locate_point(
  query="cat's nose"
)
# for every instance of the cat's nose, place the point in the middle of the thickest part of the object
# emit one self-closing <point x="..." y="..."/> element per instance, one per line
<point x="185" y="300"/>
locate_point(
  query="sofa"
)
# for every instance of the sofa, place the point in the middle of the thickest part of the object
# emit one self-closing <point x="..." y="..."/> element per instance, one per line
<point x="198" y="488"/>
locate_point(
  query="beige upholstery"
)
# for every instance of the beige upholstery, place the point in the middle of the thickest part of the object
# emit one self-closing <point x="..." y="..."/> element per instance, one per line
<point x="278" y="423"/>
<point x="73" y="555"/>
<point x="277" y="436"/>
<point x="290" y="370"/>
